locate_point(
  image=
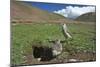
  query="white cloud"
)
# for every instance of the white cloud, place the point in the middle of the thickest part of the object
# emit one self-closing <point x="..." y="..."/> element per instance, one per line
<point x="73" y="12"/>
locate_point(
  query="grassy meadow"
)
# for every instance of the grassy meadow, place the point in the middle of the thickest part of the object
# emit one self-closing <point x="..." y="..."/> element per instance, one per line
<point x="25" y="35"/>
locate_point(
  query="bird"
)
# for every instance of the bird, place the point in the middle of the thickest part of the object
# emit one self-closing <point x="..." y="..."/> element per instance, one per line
<point x="65" y="31"/>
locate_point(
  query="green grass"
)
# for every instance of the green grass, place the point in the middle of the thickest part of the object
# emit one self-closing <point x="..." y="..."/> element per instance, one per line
<point x="25" y="35"/>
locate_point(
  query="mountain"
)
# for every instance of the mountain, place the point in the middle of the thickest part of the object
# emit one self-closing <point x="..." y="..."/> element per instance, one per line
<point x="87" y="17"/>
<point x="23" y="12"/>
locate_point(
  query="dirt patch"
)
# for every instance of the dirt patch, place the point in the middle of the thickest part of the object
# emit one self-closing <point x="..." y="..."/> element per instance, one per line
<point x="84" y="56"/>
<point x="65" y="57"/>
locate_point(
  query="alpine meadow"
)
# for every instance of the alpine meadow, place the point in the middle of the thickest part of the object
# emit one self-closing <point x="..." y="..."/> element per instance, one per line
<point x="34" y="29"/>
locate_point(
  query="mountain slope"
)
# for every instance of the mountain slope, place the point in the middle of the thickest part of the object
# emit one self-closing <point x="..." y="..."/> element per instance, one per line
<point x="88" y="17"/>
<point x="21" y="11"/>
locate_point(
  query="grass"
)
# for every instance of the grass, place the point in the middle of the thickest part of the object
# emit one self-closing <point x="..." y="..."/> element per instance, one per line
<point x="25" y="35"/>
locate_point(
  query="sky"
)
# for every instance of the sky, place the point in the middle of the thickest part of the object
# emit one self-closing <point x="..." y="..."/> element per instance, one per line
<point x="70" y="11"/>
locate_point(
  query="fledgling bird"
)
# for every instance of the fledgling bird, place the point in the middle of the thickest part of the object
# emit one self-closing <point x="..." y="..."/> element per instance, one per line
<point x="57" y="47"/>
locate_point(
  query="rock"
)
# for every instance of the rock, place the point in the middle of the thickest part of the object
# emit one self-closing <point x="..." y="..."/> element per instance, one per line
<point x="73" y="60"/>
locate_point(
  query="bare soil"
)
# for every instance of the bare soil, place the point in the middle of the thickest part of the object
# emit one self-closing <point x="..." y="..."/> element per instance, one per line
<point x="67" y="58"/>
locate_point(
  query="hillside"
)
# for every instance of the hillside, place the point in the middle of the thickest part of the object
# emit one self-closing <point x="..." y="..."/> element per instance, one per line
<point x="87" y="17"/>
<point x="23" y="12"/>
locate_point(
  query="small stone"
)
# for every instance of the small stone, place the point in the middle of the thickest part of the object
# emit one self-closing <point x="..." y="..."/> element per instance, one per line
<point x="39" y="59"/>
<point x="73" y="60"/>
<point x="24" y="56"/>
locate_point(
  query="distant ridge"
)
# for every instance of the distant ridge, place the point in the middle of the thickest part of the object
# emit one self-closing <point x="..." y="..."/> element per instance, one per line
<point x="87" y="17"/>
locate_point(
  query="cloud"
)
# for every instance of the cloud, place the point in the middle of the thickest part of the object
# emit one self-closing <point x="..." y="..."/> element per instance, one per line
<point x="75" y="11"/>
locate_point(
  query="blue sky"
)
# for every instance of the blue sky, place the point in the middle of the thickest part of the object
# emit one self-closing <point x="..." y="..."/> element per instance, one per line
<point x="71" y="11"/>
<point x="52" y="6"/>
